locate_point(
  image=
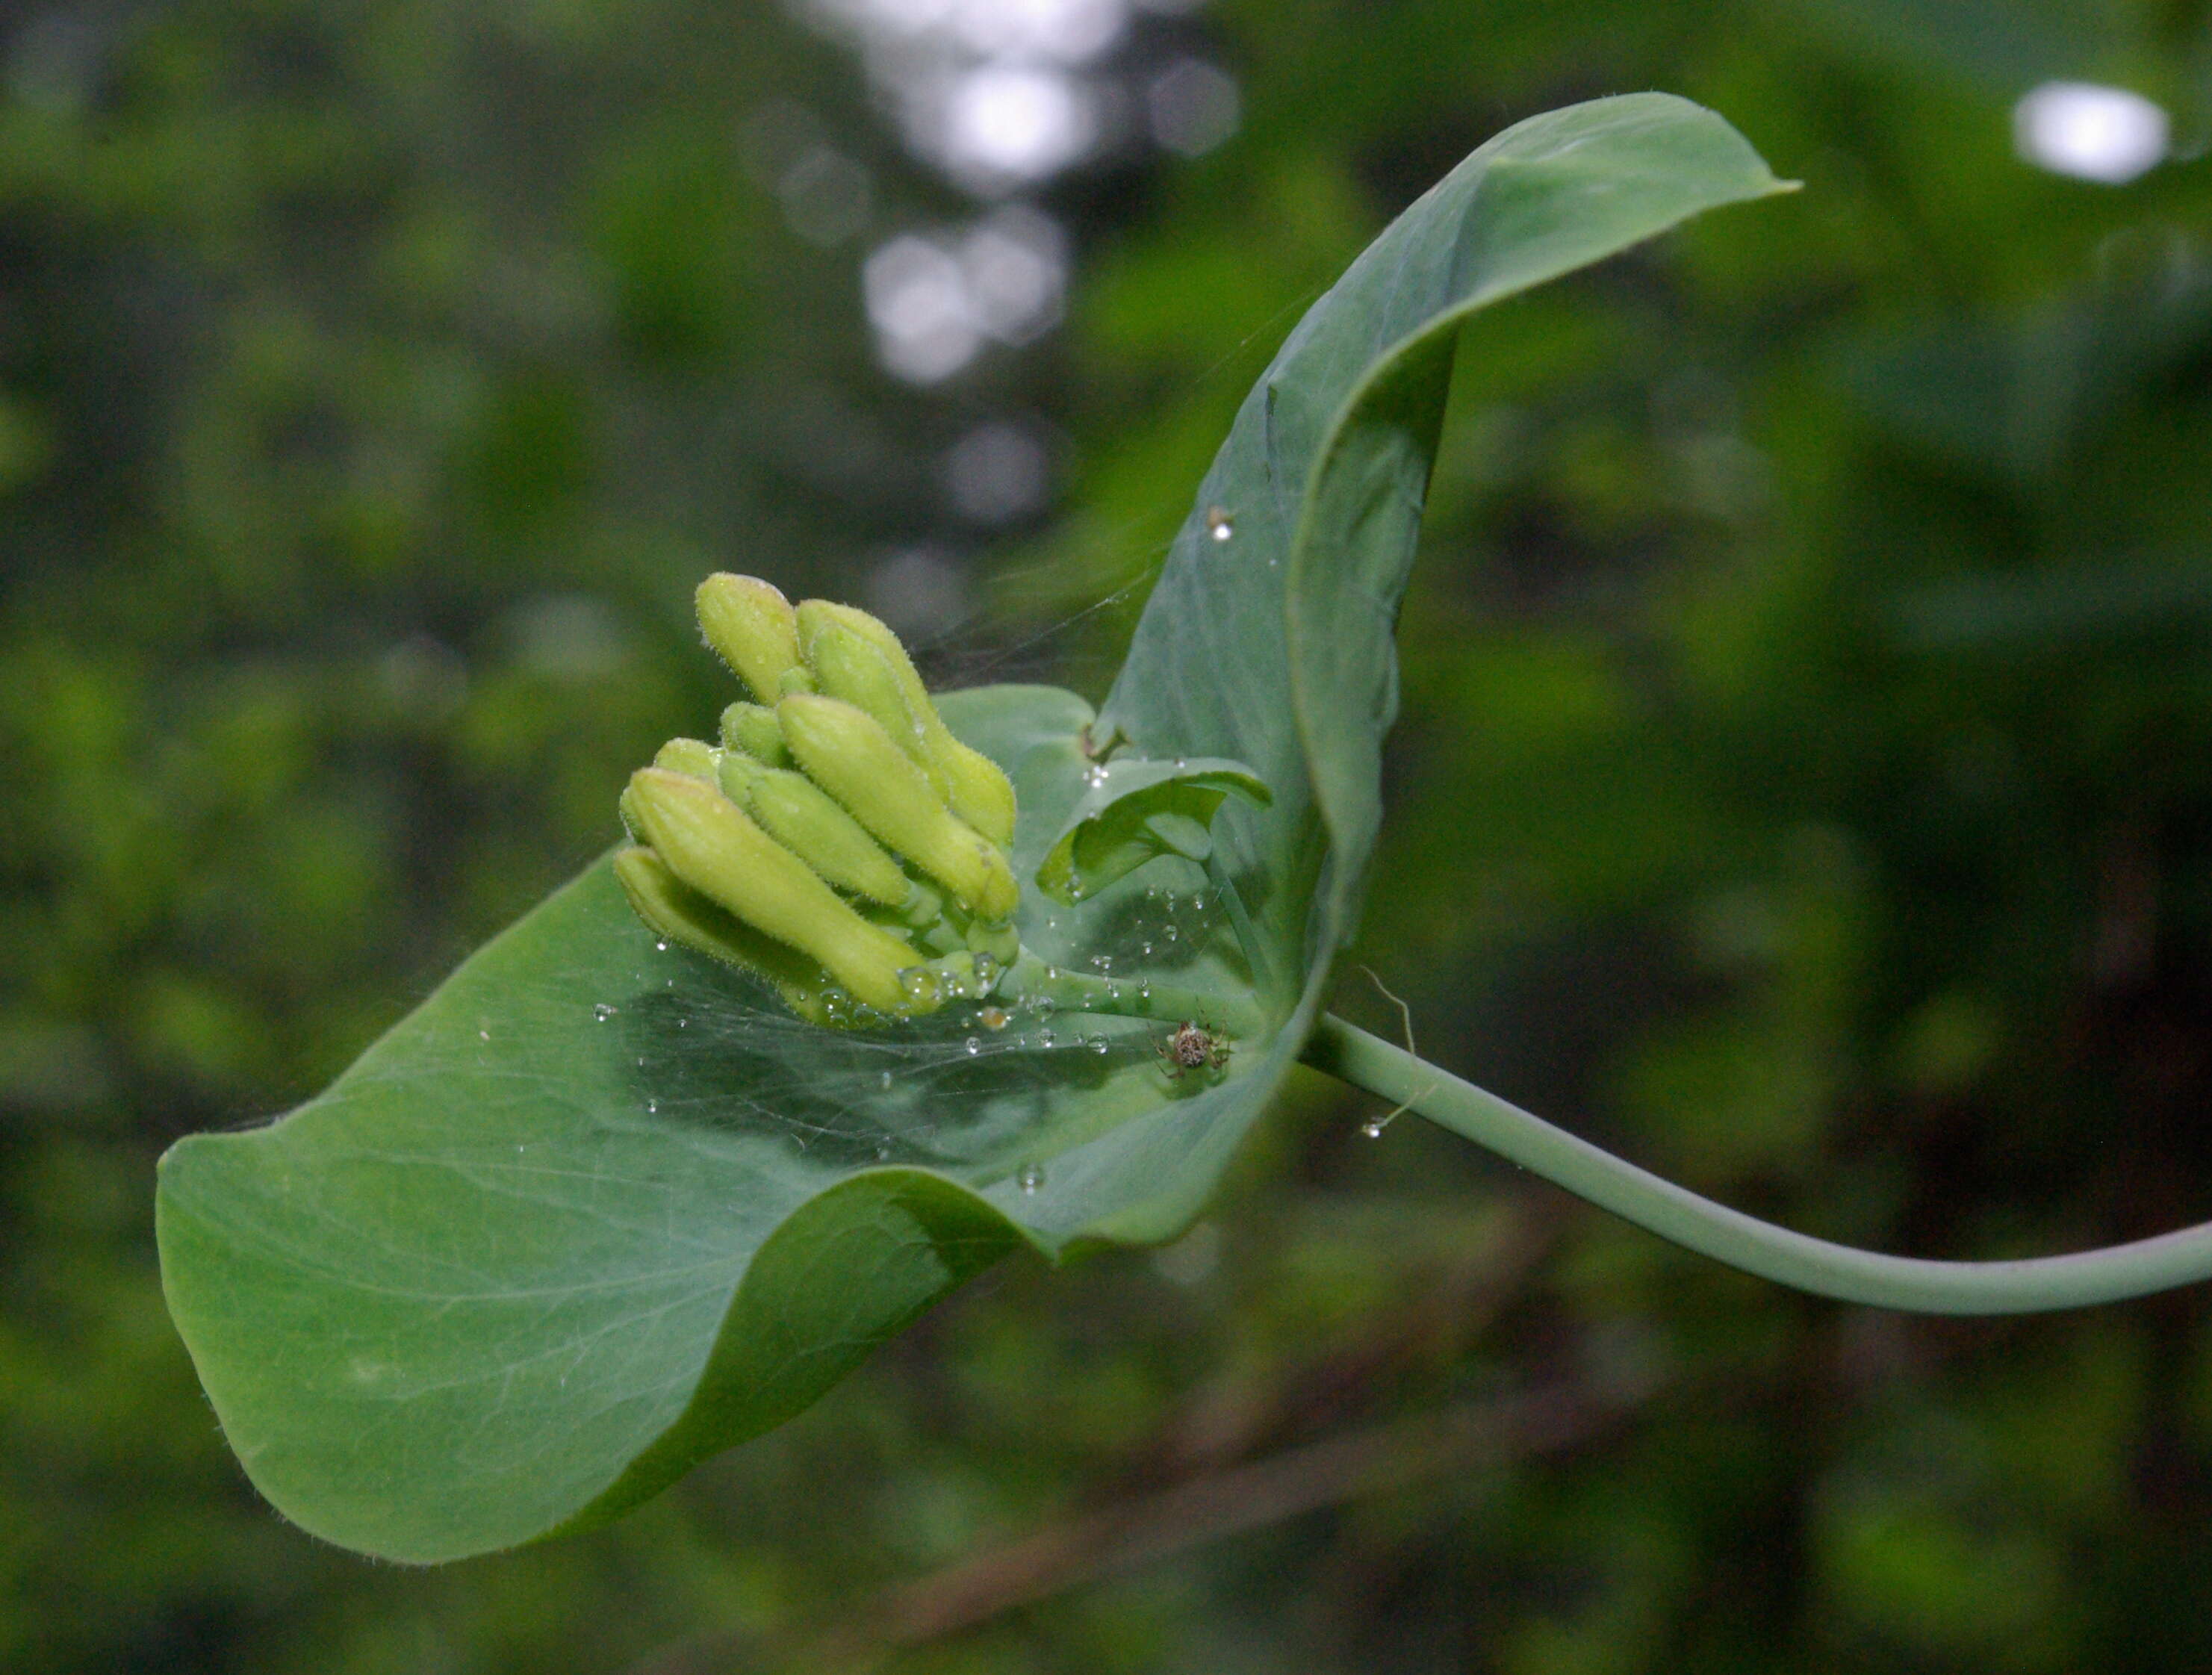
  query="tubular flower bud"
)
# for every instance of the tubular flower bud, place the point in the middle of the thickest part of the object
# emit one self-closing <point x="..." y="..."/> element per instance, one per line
<point x="848" y="667"/>
<point x="752" y="729"/>
<point x="972" y="783"/>
<point x="694" y="756"/>
<point x="709" y="843"/>
<point x="847" y="753"/>
<point x="751" y="626"/>
<point x="680" y="914"/>
<point x="807" y="821"/>
<point x="839" y="842"/>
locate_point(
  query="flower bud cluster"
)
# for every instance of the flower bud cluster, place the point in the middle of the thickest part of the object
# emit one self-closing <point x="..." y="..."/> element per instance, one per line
<point x="836" y="840"/>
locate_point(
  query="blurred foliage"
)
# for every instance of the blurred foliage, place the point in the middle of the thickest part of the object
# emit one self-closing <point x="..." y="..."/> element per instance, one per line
<point x="1805" y="786"/>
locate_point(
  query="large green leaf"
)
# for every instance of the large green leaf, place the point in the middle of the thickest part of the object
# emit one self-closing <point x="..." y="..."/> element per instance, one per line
<point x="599" y="1208"/>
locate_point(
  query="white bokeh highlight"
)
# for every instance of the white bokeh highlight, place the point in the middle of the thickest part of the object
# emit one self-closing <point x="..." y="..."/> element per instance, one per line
<point x="934" y="299"/>
<point x="2108" y="135"/>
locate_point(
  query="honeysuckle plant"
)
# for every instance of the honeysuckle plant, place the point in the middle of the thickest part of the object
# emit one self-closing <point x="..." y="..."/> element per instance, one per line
<point x="886" y="985"/>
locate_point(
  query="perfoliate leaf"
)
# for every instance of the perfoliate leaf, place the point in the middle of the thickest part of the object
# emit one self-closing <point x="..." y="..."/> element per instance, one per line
<point x="599" y="1208"/>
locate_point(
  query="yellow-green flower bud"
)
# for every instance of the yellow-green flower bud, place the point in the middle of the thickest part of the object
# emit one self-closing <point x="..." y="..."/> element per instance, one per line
<point x="694" y="756"/>
<point x="973" y="785"/>
<point x="752" y="628"/>
<point x="803" y="817"/>
<point x="751" y="728"/>
<point x="847" y="753"/>
<point x="672" y="909"/>
<point x="735" y="773"/>
<point x="848" y="666"/>
<point x="710" y="844"/>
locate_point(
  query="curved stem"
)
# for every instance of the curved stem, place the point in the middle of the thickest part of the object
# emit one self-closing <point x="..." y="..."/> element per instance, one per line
<point x="1743" y="1242"/>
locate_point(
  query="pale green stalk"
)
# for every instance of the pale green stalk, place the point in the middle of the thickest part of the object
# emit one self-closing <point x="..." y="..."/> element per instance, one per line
<point x="1743" y="1242"/>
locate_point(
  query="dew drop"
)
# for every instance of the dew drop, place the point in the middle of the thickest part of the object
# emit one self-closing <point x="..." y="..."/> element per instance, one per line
<point x="1372" y="1128"/>
<point x="603" y="1011"/>
<point x="1218" y="524"/>
<point x="987" y="972"/>
<point x="1143" y="991"/>
<point x="1045" y="1005"/>
<point x="1105" y="962"/>
<point x="1146" y="950"/>
<point x="1044" y="1038"/>
<point x="1100" y="1044"/>
<point x="662" y="945"/>
<point x="991" y="1018"/>
<point x="1095" y="775"/>
<point x="1171" y="933"/>
<point x="652" y="1106"/>
<point x="920" y="985"/>
<point x="683" y="1023"/>
<point x="885" y="1081"/>
<point x="973" y="1046"/>
<point x="883" y="1152"/>
<point x="485" y="1035"/>
<point x="1182" y="763"/>
<point x="1030" y="1178"/>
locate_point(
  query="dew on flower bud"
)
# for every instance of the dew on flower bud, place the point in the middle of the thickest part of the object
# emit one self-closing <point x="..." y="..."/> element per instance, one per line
<point x="1030" y="1178"/>
<point x="921" y="985"/>
<point x="987" y="973"/>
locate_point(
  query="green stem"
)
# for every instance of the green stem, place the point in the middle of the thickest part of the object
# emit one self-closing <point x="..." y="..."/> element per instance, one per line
<point x="1030" y="978"/>
<point x="1743" y="1242"/>
<point x="1240" y="921"/>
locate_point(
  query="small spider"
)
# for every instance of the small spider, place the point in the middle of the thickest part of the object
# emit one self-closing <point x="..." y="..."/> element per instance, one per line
<point x="1192" y="1046"/>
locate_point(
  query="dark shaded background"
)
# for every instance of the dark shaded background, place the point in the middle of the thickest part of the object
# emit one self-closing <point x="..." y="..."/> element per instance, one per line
<point x="1805" y="786"/>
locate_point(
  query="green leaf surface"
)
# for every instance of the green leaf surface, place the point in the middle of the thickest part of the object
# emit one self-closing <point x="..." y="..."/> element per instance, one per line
<point x="599" y="1208"/>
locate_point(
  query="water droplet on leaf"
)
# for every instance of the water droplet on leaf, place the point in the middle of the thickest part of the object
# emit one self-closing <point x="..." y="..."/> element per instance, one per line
<point x="1030" y="1178"/>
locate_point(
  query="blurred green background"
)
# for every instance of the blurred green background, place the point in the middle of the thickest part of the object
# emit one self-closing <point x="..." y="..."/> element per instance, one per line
<point x="1805" y="788"/>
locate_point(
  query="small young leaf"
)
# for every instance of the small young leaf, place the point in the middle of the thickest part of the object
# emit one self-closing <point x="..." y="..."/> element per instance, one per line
<point x="1137" y="812"/>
